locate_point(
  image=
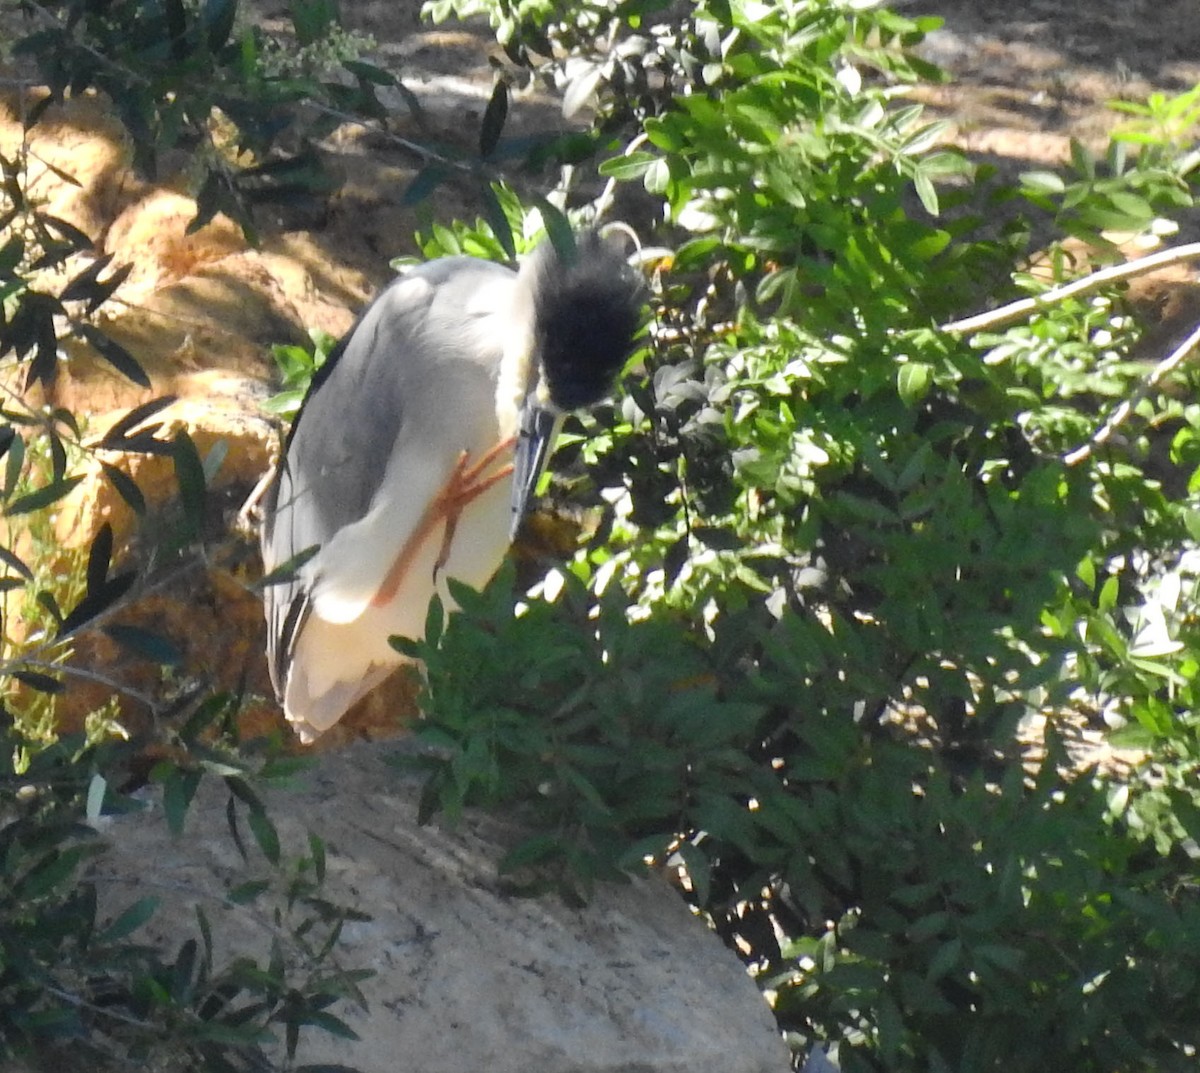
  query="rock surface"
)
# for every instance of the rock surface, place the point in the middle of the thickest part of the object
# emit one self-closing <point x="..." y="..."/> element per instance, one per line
<point x="467" y="977"/>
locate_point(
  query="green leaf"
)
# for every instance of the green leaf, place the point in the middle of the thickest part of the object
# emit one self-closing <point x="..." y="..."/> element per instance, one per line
<point x="117" y="438"/>
<point x="99" y="557"/>
<point x="629" y="166"/>
<point x="424" y="183"/>
<point x="287" y="572"/>
<point x="316" y="849"/>
<point x="913" y="380"/>
<point x="313" y="19"/>
<point x="494" y="117"/>
<point x="51" y="871"/>
<point x="927" y="192"/>
<point x="1043" y="182"/>
<point x="247" y="892"/>
<point x="179" y="788"/>
<point x="699" y="871"/>
<point x="264" y="833"/>
<point x="10" y="559"/>
<point x="130" y="920"/>
<point x="371" y="73"/>
<point x="218" y="17"/>
<point x="531" y="852"/>
<point x="42" y="498"/>
<point x="97" y="790"/>
<point x="183" y="972"/>
<point x="113" y="353"/>
<point x="206" y="938"/>
<point x="324" y="1067"/>
<point x="558" y="227"/>
<point x="498" y="220"/>
<point x="43" y="683"/>
<point x="327" y="1022"/>
<point x="126" y="488"/>
<point x="189" y="476"/>
<point x="145" y="644"/>
<point x="945" y="961"/>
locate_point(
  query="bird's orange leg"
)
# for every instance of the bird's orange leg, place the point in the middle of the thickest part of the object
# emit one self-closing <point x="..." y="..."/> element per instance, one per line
<point x="465" y="484"/>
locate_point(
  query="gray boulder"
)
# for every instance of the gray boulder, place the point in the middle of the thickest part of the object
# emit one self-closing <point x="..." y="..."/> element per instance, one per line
<point x="466" y="978"/>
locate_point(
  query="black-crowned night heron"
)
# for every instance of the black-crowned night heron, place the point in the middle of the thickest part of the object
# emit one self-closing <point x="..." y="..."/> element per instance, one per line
<point x="417" y="449"/>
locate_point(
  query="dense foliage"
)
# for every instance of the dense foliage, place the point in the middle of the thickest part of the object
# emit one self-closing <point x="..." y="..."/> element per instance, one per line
<point x="79" y="982"/>
<point x="845" y="560"/>
<point x="842" y="556"/>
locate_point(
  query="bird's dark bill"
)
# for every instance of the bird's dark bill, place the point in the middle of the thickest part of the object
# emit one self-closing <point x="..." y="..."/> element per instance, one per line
<point x="538" y="429"/>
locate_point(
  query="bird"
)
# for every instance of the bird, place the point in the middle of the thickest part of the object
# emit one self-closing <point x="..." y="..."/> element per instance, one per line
<point x="416" y="452"/>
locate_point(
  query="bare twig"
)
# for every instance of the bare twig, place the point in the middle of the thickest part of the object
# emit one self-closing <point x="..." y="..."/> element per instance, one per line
<point x="1015" y="311"/>
<point x="423" y="151"/>
<point x="427" y="154"/>
<point x="105" y="61"/>
<point x="1121" y="413"/>
<point x="608" y="195"/>
<point x="101" y="1011"/>
<point x="85" y="674"/>
<point x="41" y="655"/>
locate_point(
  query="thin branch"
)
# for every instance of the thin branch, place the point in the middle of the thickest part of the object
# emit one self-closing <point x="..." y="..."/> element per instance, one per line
<point x="104" y="60"/>
<point x="608" y="195"/>
<point x="1121" y="414"/>
<point x="79" y="1003"/>
<point x="422" y="151"/>
<point x="1015" y="311"/>
<point x="469" y="167"/>
<point x="85" y="674"/>
<point x="40" y="655"/>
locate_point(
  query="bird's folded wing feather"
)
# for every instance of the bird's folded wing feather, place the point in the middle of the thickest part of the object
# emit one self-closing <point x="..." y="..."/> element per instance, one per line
<point x="359" y="432"/>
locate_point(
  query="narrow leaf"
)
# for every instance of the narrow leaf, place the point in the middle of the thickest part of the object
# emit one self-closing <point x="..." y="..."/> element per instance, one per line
<point x="126" y="488"/>
<point x="496" y="217"/>
<point x="97" y="788"/>
<point x="43" y="683"/>
<point x="113" y="353"/>
<point x="247" y="892"/>
<point x="99" y="557"/>
<point x="10" y="559"/>
<point x="130" y="920"/>
<point x="218" y="17"/>
<point x="428" y="179"/>
<point x="316" y="848"/>
<point x="189" y="475"/>
<point x="494" y="117"/>
<point x="264" y="833"/>
<point x="287" y="571"/>
<point x="558" y="227"/>
<point x="145" y="644"/>
<point x="234" y="832"/>
<point x="179" y="787"/>
<point x="96" y="602"/>
<point x="115" y="436"/>
<point x="42" y="498"/>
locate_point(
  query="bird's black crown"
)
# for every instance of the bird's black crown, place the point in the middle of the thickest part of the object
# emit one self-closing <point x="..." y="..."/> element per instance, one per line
<point x="587" y="309"/>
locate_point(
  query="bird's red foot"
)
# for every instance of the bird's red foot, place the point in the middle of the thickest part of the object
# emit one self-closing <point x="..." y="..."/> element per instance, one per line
<point x="466" y="484"/>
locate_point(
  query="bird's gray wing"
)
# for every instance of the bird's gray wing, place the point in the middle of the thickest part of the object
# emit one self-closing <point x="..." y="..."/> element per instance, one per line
<point x="372" y="394"/>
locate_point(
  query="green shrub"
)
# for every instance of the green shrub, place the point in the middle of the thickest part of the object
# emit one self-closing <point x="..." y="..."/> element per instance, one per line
<point x="844" y="555"/>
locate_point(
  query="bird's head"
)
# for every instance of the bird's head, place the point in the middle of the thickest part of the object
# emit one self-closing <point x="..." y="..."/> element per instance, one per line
<point x="586" y="309"/>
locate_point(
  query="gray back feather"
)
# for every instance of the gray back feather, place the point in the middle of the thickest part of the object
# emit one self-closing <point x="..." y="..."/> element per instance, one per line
<point x="356" y="410"/>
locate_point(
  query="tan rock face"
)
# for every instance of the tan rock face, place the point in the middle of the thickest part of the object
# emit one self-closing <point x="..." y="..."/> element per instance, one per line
<point x="199" y="312"/>
<point x="81" y="139"/>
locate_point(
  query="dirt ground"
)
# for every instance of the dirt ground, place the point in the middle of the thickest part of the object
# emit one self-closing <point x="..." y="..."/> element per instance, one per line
<point x="202" y="309"/>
